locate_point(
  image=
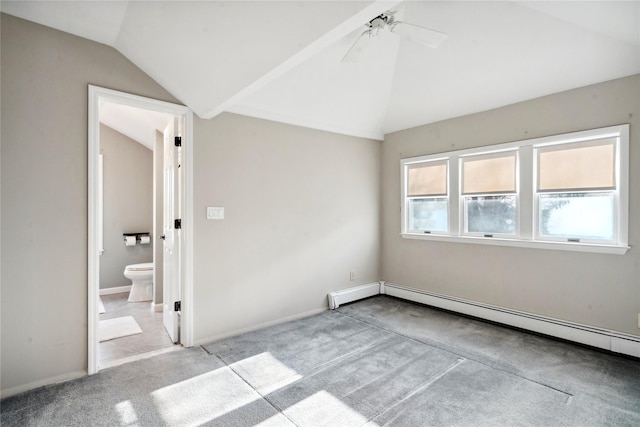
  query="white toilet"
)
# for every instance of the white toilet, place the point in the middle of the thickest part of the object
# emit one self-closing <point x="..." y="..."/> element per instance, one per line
<point x="141" y="276"/>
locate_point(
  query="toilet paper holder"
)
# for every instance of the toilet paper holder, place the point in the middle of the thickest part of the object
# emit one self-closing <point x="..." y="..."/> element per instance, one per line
<point x="137" y="235"/>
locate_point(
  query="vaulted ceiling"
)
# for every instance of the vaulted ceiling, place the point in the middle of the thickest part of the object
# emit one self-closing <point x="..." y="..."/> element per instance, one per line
<point x="281" y="60"/>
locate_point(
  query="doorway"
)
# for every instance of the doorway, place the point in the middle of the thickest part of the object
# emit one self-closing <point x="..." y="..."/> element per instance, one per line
<point x="176" y="304"/>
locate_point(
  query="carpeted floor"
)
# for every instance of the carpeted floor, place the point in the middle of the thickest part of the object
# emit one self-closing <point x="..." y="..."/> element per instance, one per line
<point x="377" y="362"/>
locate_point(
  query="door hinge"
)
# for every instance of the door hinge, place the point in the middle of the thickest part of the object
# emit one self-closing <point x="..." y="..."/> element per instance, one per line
<point x="177" y="306"/>
<point x="177" y="224"/>
<point x="178" y="141"/>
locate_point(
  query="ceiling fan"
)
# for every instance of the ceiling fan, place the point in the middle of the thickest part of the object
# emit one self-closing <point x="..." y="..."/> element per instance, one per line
<point x="386" y="22"/>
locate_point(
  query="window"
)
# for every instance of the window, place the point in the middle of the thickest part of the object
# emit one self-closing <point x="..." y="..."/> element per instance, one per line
<point x="428" y="196"/>
<point x="567" y="192"/>
<point x="576" y="191"/>
<point x="489" y="193"/>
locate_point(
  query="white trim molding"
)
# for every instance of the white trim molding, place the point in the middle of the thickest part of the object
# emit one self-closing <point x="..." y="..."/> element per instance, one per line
<point x="12" y="391"/>
<point x="96" y="96"/>
<point x="596" y="337"/>
<point x="514" y="243"/>
<point x="252" y="328"/>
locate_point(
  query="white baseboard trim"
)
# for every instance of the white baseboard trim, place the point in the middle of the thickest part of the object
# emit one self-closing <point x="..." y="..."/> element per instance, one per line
<point x="596" y="337"/>
<point x="116" y="290"/>
<point x="157" y="307"/>
<point x="203" y="341"/>
<point x="353" y="294"/>
<point x="12" y="391"/>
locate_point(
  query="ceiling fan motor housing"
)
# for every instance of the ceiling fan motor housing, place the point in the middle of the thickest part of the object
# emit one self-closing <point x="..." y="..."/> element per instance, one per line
<point x="379" y="22"/>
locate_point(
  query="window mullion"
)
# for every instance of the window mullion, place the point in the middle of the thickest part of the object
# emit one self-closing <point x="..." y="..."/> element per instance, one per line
<point x="526" y="211"/>
<point x="454" y="196"/>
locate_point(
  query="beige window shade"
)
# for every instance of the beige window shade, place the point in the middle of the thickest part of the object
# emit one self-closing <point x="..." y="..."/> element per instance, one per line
<point x="427" y="179"/>
<point x="578" y="166"/>
<point x="494" y="173"/>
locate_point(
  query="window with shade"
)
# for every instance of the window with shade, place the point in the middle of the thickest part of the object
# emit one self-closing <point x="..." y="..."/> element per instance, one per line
<point x="428" y="197"/>
<point x="566" y="192"/>
<point x="576" y="191"/>
<point x="489" y="193"/>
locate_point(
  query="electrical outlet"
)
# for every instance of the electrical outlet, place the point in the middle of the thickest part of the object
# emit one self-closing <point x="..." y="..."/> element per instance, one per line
<point x="352" y="276"/>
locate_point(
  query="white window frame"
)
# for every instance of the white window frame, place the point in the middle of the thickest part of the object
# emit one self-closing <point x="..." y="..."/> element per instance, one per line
<point x="405" y="218"/>
<point x="527" y="199"/>
<point x="463" y="196"/>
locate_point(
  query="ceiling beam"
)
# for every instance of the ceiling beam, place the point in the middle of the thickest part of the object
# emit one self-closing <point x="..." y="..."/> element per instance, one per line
<point x="347" y="27"/>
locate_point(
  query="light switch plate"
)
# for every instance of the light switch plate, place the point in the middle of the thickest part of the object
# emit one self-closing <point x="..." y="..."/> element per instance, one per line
<point x="215" y="213"/>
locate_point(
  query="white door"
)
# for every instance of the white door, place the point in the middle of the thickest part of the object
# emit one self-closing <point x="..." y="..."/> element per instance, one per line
<point x="172" y="236"/>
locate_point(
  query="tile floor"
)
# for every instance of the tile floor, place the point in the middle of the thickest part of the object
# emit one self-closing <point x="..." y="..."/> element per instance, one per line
<point x="153" y="336"/>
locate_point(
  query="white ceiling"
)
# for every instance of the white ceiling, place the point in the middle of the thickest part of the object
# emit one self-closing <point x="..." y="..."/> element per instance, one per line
<point x="136" y="123"/>
<point x="280" y="60"/>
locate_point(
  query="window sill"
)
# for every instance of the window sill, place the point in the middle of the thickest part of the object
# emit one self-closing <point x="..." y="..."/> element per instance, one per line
<point x="494" y="241"/>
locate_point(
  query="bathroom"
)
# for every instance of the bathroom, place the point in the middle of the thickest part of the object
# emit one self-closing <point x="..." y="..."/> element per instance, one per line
<point x="130" y="317"/>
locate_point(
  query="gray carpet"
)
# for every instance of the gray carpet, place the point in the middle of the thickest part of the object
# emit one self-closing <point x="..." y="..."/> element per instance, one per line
<point x="377" y="362"/>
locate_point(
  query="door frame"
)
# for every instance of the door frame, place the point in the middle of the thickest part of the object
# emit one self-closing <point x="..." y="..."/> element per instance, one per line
<point x="96" y="96"/>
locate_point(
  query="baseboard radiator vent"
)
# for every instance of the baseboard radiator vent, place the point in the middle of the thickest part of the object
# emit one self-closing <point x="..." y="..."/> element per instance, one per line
<point x="595" y="337"/>
<point x="353" y="294"/>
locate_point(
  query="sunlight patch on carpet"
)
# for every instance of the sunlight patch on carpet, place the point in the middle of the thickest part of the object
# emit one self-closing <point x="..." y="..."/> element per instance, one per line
<point x="266" y="373"/>
<point x="128" y="416"/>
<point x="203" y="398"/>
<point x="324" y="409"/>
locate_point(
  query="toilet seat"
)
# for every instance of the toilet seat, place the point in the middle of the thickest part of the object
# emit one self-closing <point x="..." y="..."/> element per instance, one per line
<point x="145" y="266"/>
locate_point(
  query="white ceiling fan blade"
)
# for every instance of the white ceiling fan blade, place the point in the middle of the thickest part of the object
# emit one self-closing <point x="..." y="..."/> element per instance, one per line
<point x="359" y="48"/>
<point x="420" y="35"/>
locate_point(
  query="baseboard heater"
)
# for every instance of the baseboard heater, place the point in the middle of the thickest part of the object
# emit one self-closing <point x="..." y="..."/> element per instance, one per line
<point x="596" y="337"/>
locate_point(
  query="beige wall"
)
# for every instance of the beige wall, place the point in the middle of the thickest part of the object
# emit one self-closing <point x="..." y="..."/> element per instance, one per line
<point x="593" y="289"/>
<point x="128" y="204"/>
<point x="44" y="99"/>
<point x="301" y="212"/>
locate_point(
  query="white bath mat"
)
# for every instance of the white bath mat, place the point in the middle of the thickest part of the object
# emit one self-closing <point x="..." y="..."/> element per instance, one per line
<point x="101" y="308"/>
<point x="118" y="327"/>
